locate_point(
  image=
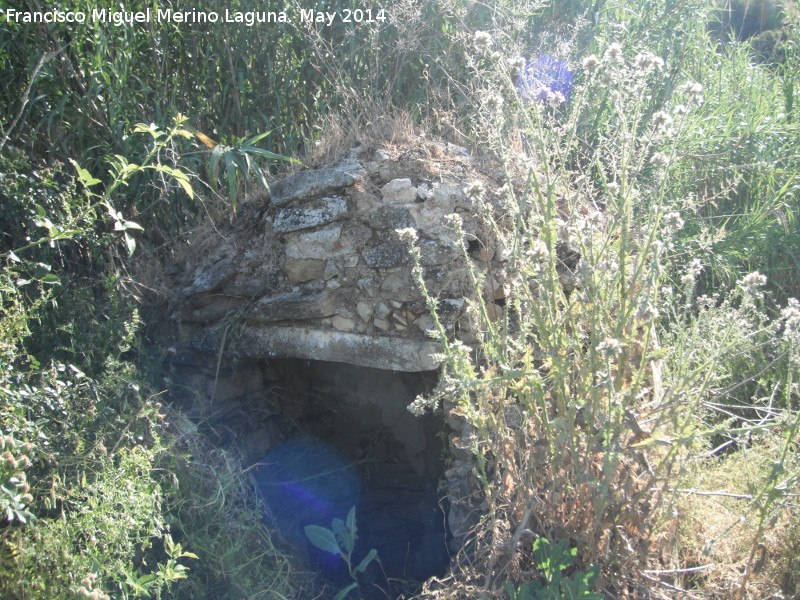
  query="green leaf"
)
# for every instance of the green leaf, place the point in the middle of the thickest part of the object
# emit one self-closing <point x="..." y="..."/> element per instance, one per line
<point x="260" y="174"/>
<point x="151" y="129"/>
<point x="230" y="175"/>
<point x="323" y="539"/>
<point x="510" y="590"/>
<point x="351" y="523"/>
<point x="86" y="178"/>
<point x="187" y="187"/>
<point x="264" y="153"/>
<point x="145" y="579"/>
<point x="216" y="154"/>
<point x="130" y="243"/>
<point x="255" y="139"/>
<point x="343" y="593"/>
<point x="362" y="566"/>
<point x="242" y="162"/>
<point x="344" y="535"/>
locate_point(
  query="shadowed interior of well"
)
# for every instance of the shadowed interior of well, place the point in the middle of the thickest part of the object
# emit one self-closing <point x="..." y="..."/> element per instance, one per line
<point x="320" y="438"/>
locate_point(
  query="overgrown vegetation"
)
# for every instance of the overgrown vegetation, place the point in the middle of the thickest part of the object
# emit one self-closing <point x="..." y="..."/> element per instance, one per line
<point x="636" y="400"/>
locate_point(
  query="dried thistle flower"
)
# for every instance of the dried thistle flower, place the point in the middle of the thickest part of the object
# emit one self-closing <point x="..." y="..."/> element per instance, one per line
<point x="555" y="99"/>
<point x="609" y="347"/>
<point x="791" y="319"/>
<point x="407" y="234"/>
<point x="659" y="159"/>
<point x="661" y="120"/>
<point x="680" y="110"/>
<point x="695" y="92"/>
<point x="613" y="54"/>
<point x="752" y="283"/>
<point x="493" y="103"/>
<point x="673" y="221"/>
<point x="483" y="40"/>
<point x="647" y="61"/>
<point x="692" y="271"/>
<point x="692" y="88"/>
<point x="474" y="189"/>
<point x="418" y="406"/>
<point x="538" y="251"/>
<point x="454" y="220"/>
<point x="516" y="63"/>
<point x="645" y="311"/>
<point x="591" y="64"/>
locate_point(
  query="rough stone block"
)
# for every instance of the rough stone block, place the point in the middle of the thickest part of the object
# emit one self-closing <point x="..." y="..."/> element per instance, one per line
<point x="307" y="185"/>
<point x="446" y="197"/>
<point x="399" y="191"/>
<point x="364" y="310"/>
<point x="399" y="287"/>
<point x="388" y="254"/>
<point x="343" y="323"/>
<point x="313" y="214"/>
<point x="435" y="253"/>
<point x="319" y="244"/>
<point x="210" y="277"/>
<point x="214" y="308"/>
<point x="304" y="269"/>
<point x="391" y="217"/>
<point x="382" y="311"/>
<point x="293" y="306"/>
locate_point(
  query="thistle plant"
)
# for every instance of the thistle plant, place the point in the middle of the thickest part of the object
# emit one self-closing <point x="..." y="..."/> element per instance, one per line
<point x="15" y="496"/>
<point x="580" y="426"/>
<point x="340" y="540"/>
<point x="552" y="561"/>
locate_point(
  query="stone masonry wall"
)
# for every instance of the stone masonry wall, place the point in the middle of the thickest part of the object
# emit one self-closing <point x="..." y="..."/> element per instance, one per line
<point x="319" y="271"/>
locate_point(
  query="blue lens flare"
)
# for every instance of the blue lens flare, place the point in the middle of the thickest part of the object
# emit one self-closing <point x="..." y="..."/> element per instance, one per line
<point x="305" y="481"/>
<point x="544" y="75"/>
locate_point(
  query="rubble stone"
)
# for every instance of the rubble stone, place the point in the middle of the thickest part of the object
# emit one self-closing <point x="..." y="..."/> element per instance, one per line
<point x="312" y="214"/>
<point x="305" y="269"/>
<point x="310" y="184"/>
<point x="399" y="191"/>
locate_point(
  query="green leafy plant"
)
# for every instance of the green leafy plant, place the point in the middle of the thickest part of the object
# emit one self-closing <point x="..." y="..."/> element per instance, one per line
<point x="239" y="160"/>
<point x="141" y="585"/>
<point x="14" y="488"/>
<point x="553" y="561"/>
<point x="341" y="539"/>
<point x="83" y="219"/>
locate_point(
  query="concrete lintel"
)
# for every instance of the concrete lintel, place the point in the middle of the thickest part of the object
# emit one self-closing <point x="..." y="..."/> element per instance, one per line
<point x="380" y="352"/>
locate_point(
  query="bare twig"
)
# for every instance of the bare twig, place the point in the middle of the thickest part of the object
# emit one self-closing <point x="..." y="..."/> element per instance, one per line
<point x="666" y="585"/>
<point x="715" y="450"/>
<point x="724" y="494"/>
<point x="677" y="571"/>
<point x="43" y="59"/>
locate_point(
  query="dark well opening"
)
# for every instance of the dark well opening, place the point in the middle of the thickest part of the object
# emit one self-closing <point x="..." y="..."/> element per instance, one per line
<point x="322" y="437"/>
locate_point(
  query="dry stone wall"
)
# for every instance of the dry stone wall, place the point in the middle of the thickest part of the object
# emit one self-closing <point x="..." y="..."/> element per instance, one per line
<point x="318" y="271"/>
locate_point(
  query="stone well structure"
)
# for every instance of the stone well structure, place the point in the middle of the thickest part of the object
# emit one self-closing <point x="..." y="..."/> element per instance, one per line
<point x="318" y="271"/>
<point x="302" y="317"/>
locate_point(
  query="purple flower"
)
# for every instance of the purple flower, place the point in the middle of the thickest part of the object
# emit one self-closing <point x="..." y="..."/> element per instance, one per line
<point x="544" y="76"/>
